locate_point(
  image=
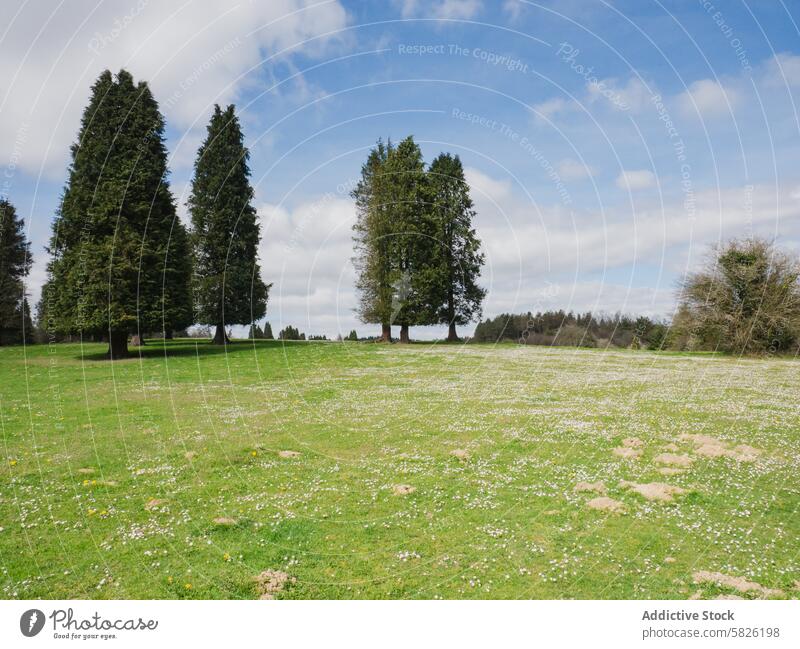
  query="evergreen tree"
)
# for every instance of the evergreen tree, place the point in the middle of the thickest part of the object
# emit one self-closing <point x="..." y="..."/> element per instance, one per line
<point x="228" y="285"/>
<point x="412" y="237"/>
<point x="456" y="295"/>
<point x="290" y="333"/>
<point x="15" y="263"/>
<point x="120" y="260"/>
<point x="372" y="238"/>
<point x="268" y="331"/>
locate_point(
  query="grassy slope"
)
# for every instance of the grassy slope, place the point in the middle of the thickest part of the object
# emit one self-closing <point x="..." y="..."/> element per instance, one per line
<point x="507" y="523"/>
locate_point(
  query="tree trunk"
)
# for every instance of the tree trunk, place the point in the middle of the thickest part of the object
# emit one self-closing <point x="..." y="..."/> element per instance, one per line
<point x="220" y="337"/>
<point x="137" y="340"/>
<point x="452" y="336"/>
<point x="118" y="345"/>
<point x="386" y="333"/>
<point x="404" y="334"/>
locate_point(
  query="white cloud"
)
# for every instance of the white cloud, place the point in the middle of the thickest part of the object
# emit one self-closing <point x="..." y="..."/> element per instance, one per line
<point x="573" y="170"/>
<point x="550" y="108"/>
<point x="634" y="95"/>
<point x="513" y="8"/>
<point x="444" y="9"/>
<point x="484" y="187"/>
<point x="192" y="54"/>
<point x="638" y="179"/>
<point x="306" y="252"/>
<point x="783" y="70"/>
<point x="708" y="98"/>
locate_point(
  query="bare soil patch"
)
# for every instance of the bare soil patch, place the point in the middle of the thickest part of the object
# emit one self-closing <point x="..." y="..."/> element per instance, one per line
<point x="403" y="489"/>
<point x="712" y="447"/>
<point x="597" y="487"/>
<point x="736" y="583"/>
<point x="224" y="521"/>
<point x="671" y="459"/>
<point x="654" y="490"/>
<point x="271" y="583"/>
<point x="606" y="504"/>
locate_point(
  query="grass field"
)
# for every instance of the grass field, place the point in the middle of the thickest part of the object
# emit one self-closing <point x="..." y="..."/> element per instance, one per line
<point x="162" y="477"/>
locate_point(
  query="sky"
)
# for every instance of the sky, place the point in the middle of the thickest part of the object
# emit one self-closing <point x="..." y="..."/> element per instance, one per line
<point x="609" y="145"/>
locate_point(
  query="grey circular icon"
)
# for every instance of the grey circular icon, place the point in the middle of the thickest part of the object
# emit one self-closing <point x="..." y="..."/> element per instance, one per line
<point x="31" y="622"/>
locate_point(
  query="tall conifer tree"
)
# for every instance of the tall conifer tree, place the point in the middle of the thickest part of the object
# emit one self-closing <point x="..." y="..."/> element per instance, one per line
<point x="15" y="263"/>
<point x="228" y="285"/>
<point x="457" y="258"/>
<point x="120" y="262"/>
<point x="372" y="237"/>
<point x="412" y="236"/>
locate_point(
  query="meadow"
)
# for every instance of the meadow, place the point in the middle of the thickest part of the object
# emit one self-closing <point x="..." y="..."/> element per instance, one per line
<point x="358" y="470"/>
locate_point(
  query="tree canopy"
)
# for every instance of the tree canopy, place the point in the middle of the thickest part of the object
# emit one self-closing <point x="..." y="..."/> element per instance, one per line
<point x="228" y="287"/>
<point x="120" y="261"/>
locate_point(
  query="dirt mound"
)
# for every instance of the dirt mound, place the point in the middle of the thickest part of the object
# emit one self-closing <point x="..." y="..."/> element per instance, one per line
<point x="288" y="454"/>
<point x="224" y="521"/>
<point x="708" y="446"/>
<point x="654" y="490"/>
<point x="673" y="460"/>
<point x="606" y="504"/>
<point x="627" y="452"/>
<point x="632" y="442"/>
<point x="403" y="489"/>
<point x="461" y="453"/>
<point x="736" y="583"/>
<point x="153" y="503"/>
<point x="597" y="487"/>
<point x="271" y="583"/>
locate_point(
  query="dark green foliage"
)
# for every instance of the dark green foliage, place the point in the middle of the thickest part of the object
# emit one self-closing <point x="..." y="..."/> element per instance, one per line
<point x="268" y="331"/>
<point x="15" y="263"/>
<point x="120" y="261"/>
<point x="228" y="284"/>
<point x="318" y="337"/>
<point x="290" y="333"/>
<point x="746" y="300"/>
<point x="417" y="255"/>
<point x="352" y="336"/>
<point x="560" y="328"/>
<point x="457" y="260"/>
<point x="372" y="239"/>
<point x="412" y="274"/>
<point x="255" y="332"/>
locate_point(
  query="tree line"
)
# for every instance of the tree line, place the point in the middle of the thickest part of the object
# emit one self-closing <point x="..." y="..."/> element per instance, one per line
<point x="121" y="262"/>
<point x="745" y="299"/>
<point x="417" y="255"/>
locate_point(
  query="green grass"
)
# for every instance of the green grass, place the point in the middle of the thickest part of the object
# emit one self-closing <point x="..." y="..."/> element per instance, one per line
<point x="507" y="523"/>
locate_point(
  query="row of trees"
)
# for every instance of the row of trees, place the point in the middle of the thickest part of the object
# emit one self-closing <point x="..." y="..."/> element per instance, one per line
<point x="417" y="255"/>
<point x="560" y="328"/>
<point x="121" y="260"/>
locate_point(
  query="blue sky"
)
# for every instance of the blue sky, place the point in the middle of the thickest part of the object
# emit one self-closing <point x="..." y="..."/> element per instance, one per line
<point x="608" y="144"/>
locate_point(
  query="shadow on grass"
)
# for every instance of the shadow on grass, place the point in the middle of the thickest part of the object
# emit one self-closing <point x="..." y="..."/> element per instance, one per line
<point x="191" y="347"/>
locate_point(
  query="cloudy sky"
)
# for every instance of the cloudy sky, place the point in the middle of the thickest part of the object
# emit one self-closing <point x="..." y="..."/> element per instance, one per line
<point x="608" y="144"/>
